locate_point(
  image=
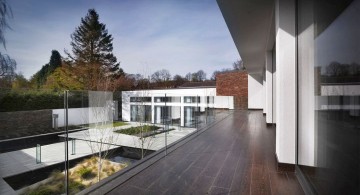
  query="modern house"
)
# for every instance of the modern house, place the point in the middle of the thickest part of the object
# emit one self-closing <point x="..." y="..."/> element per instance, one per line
<point x="288" y="47"/>
<point x="179" y="104"/>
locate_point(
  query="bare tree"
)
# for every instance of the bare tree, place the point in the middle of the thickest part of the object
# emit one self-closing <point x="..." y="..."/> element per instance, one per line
<point x="178" y="80"/>
<point x="7" y="65"/>
<point x="337" y="69"/>
<point x="216" y="72"/>
<point x="213" y="76"/>
<point x="141" y="115"/>
<point x="99" y="115"/>
<point x="188" y="76"/>
<point x="161" y="76"/>
<point x="198" y="76"/>
<point x="101" y="133"/>
<point x="238" y="65"/>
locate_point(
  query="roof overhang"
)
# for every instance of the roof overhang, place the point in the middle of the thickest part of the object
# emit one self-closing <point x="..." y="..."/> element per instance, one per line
<point x="251" y="25"/>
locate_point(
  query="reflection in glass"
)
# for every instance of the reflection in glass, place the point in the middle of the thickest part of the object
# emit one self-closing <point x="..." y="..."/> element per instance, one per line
<point x="329" y="91"/>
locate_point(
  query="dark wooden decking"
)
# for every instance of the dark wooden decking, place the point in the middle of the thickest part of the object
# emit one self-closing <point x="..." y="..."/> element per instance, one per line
<point x="236" y="156"/>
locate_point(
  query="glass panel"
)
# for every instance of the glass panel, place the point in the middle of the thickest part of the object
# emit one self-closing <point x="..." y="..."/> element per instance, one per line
<point x="329" y="90"/>
<point x="96" y="149"/>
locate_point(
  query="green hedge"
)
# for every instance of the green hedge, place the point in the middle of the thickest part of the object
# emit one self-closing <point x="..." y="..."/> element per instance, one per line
<point x="38" y="100"/>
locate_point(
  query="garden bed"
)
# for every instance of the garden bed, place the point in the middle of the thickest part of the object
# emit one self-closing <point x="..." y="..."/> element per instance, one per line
<point x="83" y="175"/>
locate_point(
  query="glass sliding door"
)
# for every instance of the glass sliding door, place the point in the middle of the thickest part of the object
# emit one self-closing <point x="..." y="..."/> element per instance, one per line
<point x="329" y="95"/>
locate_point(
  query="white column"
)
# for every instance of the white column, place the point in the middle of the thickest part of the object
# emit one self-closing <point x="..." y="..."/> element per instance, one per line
<point x="158" y="114"/>
<point x="152" y="110"/>
<point x="264" y="91"/>
<point x="285" y="81"/>
<point x="269" y="88"/>
<point x="255" y="91"/>
<point x="182" y="121"/>
<point x="307" y="93"/>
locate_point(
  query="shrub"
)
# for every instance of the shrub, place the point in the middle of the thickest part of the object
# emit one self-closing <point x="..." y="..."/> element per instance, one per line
<point x="17" y="100"/>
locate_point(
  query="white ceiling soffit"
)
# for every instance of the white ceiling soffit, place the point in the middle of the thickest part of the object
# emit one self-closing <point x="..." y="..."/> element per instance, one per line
<point x="249" y="23"/>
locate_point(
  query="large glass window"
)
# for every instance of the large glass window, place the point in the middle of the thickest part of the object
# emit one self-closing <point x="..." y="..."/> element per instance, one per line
<point x="329" y="95"/>
<point x="140" y="113"/>
<point x="167" y="99"/>
<point x="191" y="99"/>
<point x="190" y="116"/>
<point x="140" y="99"/>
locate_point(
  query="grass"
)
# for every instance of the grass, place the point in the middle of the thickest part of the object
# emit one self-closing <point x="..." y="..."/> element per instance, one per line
<point x="83" y="175"/>
<point x="119" y="124"/>
<point x="55" y="185"/>
<point x="138" y="130"/>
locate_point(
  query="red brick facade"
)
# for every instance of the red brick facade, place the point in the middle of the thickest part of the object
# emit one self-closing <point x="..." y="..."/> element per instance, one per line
<point x="234" y="84"/>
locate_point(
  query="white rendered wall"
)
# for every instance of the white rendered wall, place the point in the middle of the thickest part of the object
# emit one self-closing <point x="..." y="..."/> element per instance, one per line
<point x="78" y="116"/>
<point x="255" y="91"/>
<point x="226" y="102"/>
<point x="285" y="81"/>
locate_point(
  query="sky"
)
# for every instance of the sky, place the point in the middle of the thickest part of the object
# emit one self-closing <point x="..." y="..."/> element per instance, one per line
<point x="178" y="35"/>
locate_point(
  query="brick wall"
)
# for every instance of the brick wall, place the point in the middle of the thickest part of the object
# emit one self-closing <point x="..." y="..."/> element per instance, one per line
<point x="234" y="84"/>
<point x="25" y="123"/>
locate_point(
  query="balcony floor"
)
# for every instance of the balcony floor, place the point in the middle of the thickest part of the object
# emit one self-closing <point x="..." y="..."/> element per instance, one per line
<point x="235" y="156"/>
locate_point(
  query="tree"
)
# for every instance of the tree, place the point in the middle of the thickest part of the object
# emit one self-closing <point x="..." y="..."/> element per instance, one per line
<point x="55" y="61"/>
<point x="213" y="76"/>
<point x="216" y="72"/>
<point x="100" y="136"/>
<point x="63" y="78"/>
<point x="46" y="70"/>
<point x="20" y="82"/>
<point x="92" y="51"/>
<point x="161" y="76"/>
<point x="198" y="76"/>
<point x="6" y="81"/>
<point x="7" y="65"/>
<point x="178" y="80"/>
<point x="337" y="69"/>
<point x="238" y="65"/>
<point x="188" y="76"/>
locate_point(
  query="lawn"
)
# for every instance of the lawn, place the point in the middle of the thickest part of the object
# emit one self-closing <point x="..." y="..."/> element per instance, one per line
<point x="119" y="124"/>
<point x="138" y="130"/>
